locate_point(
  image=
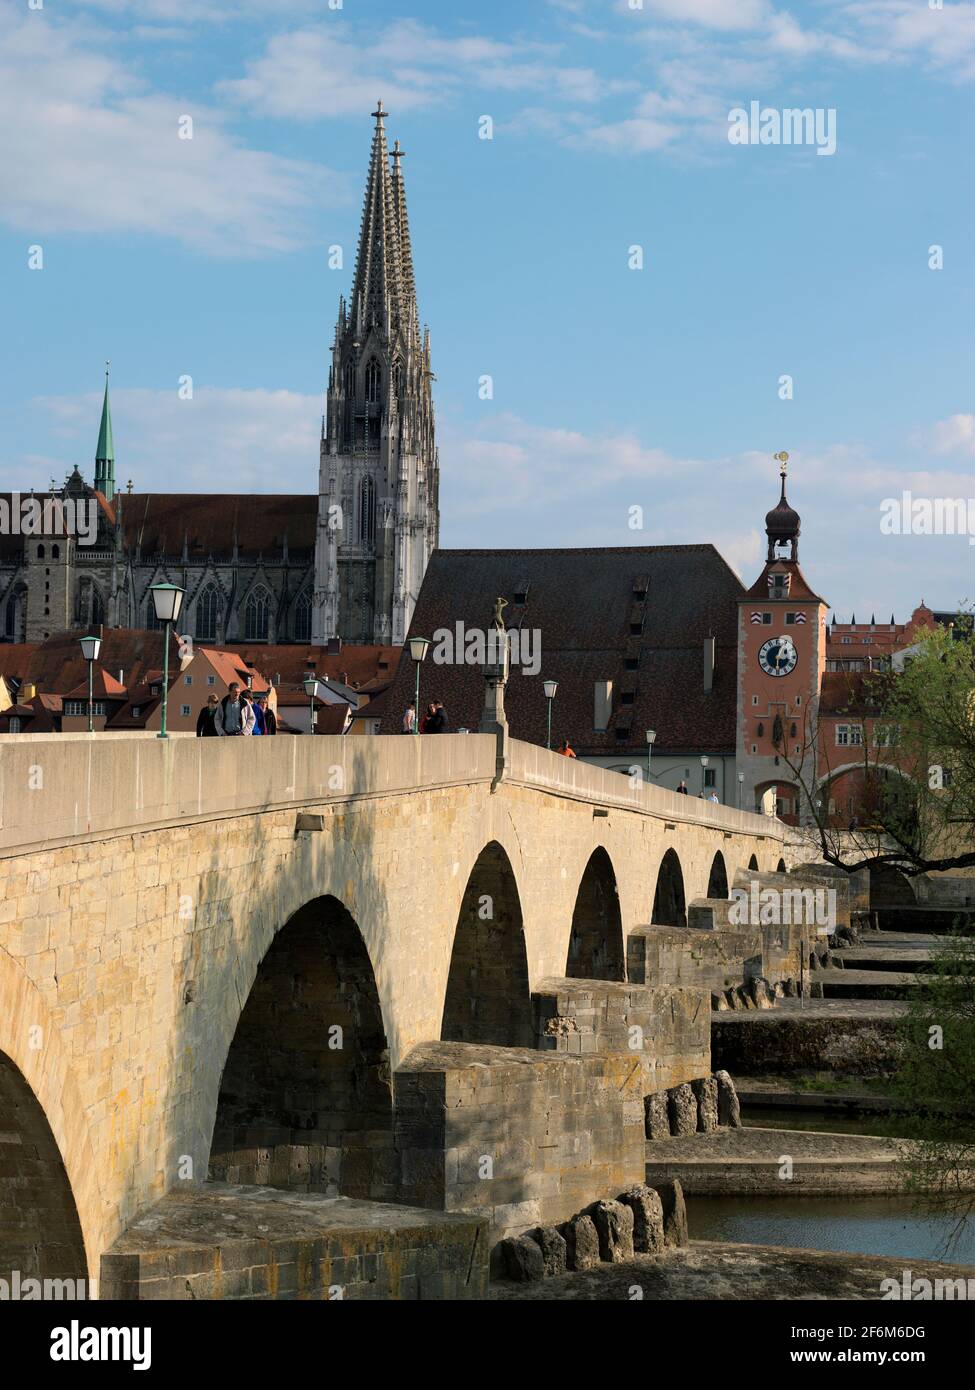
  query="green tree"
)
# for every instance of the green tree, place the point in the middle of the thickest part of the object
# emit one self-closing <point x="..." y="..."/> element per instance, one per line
<point x="917" y="757"/>
<point x="935" y="1083"/>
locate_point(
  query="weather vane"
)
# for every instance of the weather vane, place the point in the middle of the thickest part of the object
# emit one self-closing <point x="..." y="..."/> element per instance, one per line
<point x="783" y="461"/>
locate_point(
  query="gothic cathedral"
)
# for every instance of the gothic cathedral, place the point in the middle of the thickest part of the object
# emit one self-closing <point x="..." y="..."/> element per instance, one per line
<point x="378" y="515"/>
<point x="347" y="563"/>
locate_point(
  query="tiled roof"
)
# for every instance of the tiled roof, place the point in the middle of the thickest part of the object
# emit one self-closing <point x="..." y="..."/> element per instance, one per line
<point x="356" y="665"/>
<point x="103" y="685"/>
<point x="230" y="667"/>
<point x="798" y="589"/>
<point x="156" y="523"/>
<point x="58" y="667"/>
<point x="583" y="603"/>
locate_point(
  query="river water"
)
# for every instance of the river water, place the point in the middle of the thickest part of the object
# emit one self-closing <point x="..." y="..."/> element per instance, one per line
<point x="859" y="1225"/>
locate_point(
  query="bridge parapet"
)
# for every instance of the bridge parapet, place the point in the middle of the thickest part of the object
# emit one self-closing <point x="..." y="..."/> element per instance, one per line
<point x="57" y="789"/>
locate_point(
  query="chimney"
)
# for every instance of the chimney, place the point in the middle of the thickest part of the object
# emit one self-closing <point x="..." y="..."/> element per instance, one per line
<point x="603" y="705"/>
<point x="708" y="664"/>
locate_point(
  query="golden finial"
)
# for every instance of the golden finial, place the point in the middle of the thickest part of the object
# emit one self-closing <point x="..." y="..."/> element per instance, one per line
<point x="782" y="460"/>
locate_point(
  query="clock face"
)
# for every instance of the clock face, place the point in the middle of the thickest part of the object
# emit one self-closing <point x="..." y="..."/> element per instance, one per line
<point x="778" y="656"/>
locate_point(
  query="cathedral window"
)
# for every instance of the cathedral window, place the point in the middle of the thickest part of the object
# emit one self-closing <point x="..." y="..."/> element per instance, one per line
<point x="395" y="377"/>
<point x="206" y="615"/>
<point x="350" y="379"/>
<point x="367" y="511"/>
<point x="152" y="623"/>
<point x="257" y="616"/>
<point x="374" y="379"/>
<point x="15" y="615"/>
<point x="302" y="618"/>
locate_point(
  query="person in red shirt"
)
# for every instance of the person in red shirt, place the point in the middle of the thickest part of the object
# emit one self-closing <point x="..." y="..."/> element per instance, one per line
<point x="564" y="749"/>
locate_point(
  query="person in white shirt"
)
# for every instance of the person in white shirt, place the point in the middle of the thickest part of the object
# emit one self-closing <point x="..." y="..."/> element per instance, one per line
<point x="248" y="718"/>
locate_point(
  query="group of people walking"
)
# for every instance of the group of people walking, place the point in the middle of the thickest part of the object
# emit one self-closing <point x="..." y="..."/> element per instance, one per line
<point x="239" y="712"/>
<point x="433" y="722"/>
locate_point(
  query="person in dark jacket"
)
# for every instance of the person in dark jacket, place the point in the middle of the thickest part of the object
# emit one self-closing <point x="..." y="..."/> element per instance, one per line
<point x="206" y="724"/>
<point x="270" y="723"/>
<point x="683" y="788"/>
<point x="437" y="721"/>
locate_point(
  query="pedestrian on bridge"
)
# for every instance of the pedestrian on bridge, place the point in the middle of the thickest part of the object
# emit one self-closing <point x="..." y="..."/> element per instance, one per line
<point x="206" y="724"/>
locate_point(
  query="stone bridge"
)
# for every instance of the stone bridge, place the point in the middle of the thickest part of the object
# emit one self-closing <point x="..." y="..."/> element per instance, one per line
<point x="216" y="955"/>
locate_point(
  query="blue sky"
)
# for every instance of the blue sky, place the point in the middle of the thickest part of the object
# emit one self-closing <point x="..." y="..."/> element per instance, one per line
<point x="613" y="388"/>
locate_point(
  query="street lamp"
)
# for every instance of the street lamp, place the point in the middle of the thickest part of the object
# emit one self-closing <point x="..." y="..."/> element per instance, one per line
<point x="311" y="690"/>
<point x="90" y="647"/>
<point x="741" y="787"/>
<point x="651" y="740"/>
<point x="167" y="600"/>
<point x="550" y="688"/>
<point x="704" y="763"/>
<point x="419" y="646"/>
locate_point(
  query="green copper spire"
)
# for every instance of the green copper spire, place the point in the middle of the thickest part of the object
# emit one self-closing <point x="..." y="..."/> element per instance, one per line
<point x="105" y="453"/>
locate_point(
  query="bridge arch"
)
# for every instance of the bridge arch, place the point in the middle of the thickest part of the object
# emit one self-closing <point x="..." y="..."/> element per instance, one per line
<point x="305" y="1096"/>
<point x="718" y="877"/>
<point x="780" y="867"/>
<point x="487" y="998"/>
<point x="40" y="1230"/>
<point x="753" y="863"/>
<point x="596" y="950"/>
<point x="41" y="1105"/>
<point x="669" y="902"/>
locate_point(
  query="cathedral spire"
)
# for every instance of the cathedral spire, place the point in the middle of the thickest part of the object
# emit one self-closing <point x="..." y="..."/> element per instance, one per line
<point x="377" y="262"/>
<point x="105" y="451"/>
<point x="407" y="285"/>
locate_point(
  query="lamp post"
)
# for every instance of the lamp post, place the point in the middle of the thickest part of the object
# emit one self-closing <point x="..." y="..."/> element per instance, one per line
<point x="651" y="740"/>
<point x="741" y="786"/>
<point x="311" y="690"/>
<point x="90" y="647"/>
<point x="704" y="763"/>
<point x="550" y="687"/>
<point x="167" y="600"/>
<point x="419" y="646"/>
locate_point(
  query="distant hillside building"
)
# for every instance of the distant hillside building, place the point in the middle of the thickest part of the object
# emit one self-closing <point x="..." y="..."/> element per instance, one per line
<point x="346" y="563"/>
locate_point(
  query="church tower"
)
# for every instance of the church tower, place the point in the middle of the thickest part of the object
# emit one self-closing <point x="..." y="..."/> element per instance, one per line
<point x="378" y="512"/>
<point x="781" y="661"/>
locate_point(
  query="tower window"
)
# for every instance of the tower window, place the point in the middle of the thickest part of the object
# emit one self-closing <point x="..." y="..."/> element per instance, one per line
<point x="374" y="379"/>
<point x="367" y="511"/>
<point x="55" y="552"/>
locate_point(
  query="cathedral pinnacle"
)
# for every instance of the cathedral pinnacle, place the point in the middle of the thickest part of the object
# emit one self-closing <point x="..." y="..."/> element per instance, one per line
<point x="105" y="450"/>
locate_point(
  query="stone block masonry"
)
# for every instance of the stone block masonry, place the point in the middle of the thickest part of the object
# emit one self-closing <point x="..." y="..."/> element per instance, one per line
<point x="668" y="1030"/>
<point x="227" y="1242"/>
<point x="524" y="1138"/>
<point x="144" y="883"/>
<point x="685" y="957"/>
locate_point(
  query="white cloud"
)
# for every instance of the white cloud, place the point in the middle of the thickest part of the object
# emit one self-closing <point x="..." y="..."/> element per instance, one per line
<point x="312" y="73"/>
<point x="711" y="14"/>
<point x="87" y="147"/>
<point x="224" y="440"/>
<point x="956" y="435"/>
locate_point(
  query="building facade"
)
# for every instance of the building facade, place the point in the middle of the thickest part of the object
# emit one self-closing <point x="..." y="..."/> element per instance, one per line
<point x="345" y="563"/>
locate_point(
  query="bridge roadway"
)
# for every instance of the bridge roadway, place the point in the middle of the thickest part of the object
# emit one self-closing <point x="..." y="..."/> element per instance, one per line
<point x="400" y="890"/>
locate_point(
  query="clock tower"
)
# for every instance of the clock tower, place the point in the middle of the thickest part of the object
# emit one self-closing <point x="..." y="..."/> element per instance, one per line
<point x="781" y="660"/>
